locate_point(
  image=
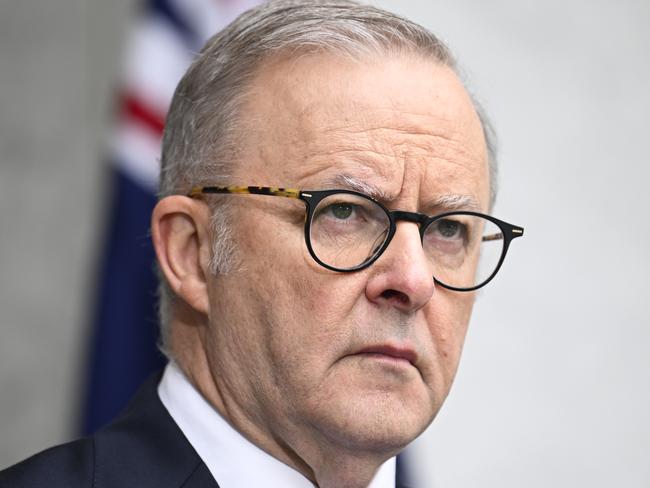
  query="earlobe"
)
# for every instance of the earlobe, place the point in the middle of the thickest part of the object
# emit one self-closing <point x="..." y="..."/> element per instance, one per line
<point x="179" y="229"/>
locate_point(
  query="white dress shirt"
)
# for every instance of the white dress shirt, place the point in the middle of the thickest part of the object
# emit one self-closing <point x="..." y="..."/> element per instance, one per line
<point x="232" y="459"/>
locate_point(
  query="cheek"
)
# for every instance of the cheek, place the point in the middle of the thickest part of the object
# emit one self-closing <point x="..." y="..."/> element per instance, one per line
<point x="296" y="285"/>
<point x="326" y="301"/>
<point x="448" y="319"/>
<point x="318" y="306"/>
<point x="304" y="305"/>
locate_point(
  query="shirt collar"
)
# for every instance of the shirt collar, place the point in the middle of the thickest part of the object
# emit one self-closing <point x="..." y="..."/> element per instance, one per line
<point x="229" y="455"/>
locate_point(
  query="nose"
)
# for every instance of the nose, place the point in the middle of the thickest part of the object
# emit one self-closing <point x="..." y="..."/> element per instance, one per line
<point x="402" y="277"/>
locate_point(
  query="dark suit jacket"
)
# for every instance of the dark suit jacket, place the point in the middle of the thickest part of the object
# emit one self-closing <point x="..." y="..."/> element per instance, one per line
<point x="143" y="448"/>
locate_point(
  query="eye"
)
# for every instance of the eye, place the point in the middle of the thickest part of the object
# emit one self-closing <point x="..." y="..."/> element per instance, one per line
<point x="344" y="213"/>
<point x="341" y="211"/>
<point x="450" y="229"/>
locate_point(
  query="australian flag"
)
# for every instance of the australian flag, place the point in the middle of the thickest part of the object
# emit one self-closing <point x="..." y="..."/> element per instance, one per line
<point x="122" y="351"/>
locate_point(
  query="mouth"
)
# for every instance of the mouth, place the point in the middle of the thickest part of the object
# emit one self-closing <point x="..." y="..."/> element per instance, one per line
<point x="390" y="353"/>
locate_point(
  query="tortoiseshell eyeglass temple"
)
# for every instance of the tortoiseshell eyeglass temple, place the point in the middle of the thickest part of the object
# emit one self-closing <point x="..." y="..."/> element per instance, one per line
<point x="254" y="190"/>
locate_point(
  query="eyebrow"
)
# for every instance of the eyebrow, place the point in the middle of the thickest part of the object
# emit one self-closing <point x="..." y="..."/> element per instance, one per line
<point x="351" y="183"/>
<point x="454" y="202"/>
<point x="441" y="203"/>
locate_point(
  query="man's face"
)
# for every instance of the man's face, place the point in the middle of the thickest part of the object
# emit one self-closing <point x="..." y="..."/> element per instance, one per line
<point x="358" y="360"/>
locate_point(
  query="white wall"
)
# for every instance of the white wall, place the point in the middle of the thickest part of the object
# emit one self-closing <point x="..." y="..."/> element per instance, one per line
<point x="554" y="387"/>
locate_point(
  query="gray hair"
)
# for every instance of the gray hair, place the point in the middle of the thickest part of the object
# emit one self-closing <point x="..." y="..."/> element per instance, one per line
<point x="201" y="132"/>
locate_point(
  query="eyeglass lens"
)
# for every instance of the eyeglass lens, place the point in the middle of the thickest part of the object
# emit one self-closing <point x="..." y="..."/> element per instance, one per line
<point x="347" y="231"/>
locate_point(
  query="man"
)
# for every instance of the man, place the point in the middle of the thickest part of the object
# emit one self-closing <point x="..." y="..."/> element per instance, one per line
<point x="321" y="233"/>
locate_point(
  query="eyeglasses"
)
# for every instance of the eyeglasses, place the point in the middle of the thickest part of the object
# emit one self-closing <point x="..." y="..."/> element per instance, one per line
<point x="348" y="231"/>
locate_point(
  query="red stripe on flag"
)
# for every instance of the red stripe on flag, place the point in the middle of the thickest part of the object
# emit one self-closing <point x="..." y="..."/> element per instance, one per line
<point x="135" y="109"/>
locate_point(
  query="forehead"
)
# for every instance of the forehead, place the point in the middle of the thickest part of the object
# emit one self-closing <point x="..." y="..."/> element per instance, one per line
<point x="401" y="123"/>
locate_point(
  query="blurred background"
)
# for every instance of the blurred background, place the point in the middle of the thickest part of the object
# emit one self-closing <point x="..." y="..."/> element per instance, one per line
<point x="554" y="386"/>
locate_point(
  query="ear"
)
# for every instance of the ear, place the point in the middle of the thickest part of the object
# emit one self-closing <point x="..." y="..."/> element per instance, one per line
<point x="179" y="228"/>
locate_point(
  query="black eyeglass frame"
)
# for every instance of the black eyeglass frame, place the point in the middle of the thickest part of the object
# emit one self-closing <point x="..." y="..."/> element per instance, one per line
<point x="313" y="197"/>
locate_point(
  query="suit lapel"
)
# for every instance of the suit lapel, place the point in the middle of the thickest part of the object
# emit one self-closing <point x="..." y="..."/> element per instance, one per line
<point x="200" y="478"/>
<point x="145" y="447"/>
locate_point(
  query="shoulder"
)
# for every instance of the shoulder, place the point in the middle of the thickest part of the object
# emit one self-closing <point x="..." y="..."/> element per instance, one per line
<point x="68" y="465"/>
<point x="144" y="446"/>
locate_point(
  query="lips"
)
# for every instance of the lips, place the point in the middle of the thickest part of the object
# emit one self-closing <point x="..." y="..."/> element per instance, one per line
<point x="389" y="352"/>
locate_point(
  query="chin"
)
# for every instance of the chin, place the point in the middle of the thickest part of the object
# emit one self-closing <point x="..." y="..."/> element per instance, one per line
<point x="378" y="421"/>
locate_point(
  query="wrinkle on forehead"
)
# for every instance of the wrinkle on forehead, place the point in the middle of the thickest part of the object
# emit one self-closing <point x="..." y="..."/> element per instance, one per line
<point x="420" y="135"/>
<point x="377" y="122"/>
<point x="386" y="153"/>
